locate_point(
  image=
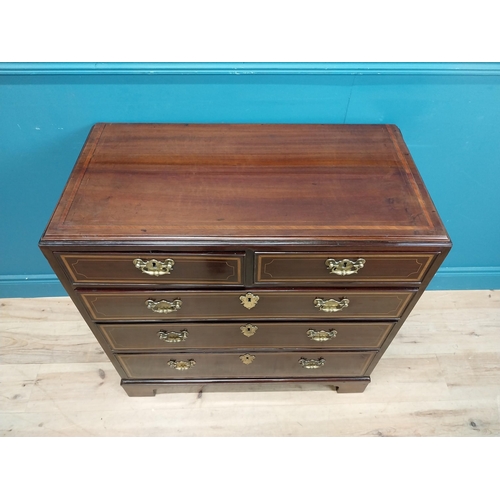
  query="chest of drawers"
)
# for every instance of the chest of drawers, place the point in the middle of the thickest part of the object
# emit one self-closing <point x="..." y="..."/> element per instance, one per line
<point x="244" y="254"/>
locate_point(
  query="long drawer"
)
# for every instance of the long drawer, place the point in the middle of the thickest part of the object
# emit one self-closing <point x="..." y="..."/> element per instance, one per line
<point x="304" y="269"/>
<point x="245" y="365"/>
<point x="191" y="305"/>
<point x="256" y="335"/>
<point x="154" y="268"/>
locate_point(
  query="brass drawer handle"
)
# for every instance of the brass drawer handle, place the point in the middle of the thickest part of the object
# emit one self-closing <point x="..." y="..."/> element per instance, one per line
<point x="249" y="300"/>
<point x="164" y="306"/>
<point x="344" y="267"/>
<point x="331" y="305"/>
<point x="312" y="364"/>
<point x="181" y="365"/>
<point x="321" y="335"/>
<point x="173" y="336"/>
<point x="155" y="267"/>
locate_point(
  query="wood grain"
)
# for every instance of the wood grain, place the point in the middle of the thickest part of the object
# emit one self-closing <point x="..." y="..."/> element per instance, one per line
<point x="439" y="377"/>
<point x="45" y="331"/>
<point x="170" y="181"/>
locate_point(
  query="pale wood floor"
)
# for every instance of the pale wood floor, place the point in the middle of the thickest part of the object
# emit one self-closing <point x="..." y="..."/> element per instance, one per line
<point x="440" y="377"/>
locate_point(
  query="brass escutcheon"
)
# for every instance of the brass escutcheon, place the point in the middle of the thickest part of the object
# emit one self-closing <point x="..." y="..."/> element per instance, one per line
<point x="311" y="364"/>
<point x="321" y="335"/>
<point x="173" y="336"/>
<point x="247" y="359"/>
<point x="331" y="305"/>
<point x="164" y="306"/>
<point x="154" y="267"/>
<point x="249" y="300"/>
<point x="344" y="267"/>
<point x="181" y="365"/>
<point x="248" y="330"/>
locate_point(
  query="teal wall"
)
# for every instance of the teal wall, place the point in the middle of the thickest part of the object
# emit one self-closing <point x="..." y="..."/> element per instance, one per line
<point x="449" y="115"/>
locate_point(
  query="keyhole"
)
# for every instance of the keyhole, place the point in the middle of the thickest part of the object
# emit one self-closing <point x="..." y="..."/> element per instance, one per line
<point x="249" y="299"/>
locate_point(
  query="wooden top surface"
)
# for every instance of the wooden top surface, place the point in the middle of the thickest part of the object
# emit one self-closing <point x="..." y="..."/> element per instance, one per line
<point x="140" y="182"/>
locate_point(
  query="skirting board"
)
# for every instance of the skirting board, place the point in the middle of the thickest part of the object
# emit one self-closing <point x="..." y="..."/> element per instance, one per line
<point x="221" y="68"/>
<point x="447" y="278"/>
<point x="466" y="278"/>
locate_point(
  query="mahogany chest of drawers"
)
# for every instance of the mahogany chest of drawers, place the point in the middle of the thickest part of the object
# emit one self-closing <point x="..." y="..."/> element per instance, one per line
<point x="244" y="254"/>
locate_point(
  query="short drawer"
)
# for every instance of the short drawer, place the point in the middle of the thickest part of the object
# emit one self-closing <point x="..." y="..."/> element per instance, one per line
<point x="170" y="305"/>
<point x="251" y="364"/>
<point x="166" y="268"/>
<point x="337" y="268"/>
<point x="244" y="335"/>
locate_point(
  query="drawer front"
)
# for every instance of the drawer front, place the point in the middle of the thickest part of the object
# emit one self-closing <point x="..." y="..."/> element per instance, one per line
<point x="136" y="269"/>
<point x="251" y="364"/>
<point x="243" y="335"/>
<point x="187" y="304"/>
<point x="306" y="268"/>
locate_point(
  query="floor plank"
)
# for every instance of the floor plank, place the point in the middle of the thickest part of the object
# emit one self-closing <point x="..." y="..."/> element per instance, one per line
<point x="427" y="418"/>
<point x="16" y="384"/>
